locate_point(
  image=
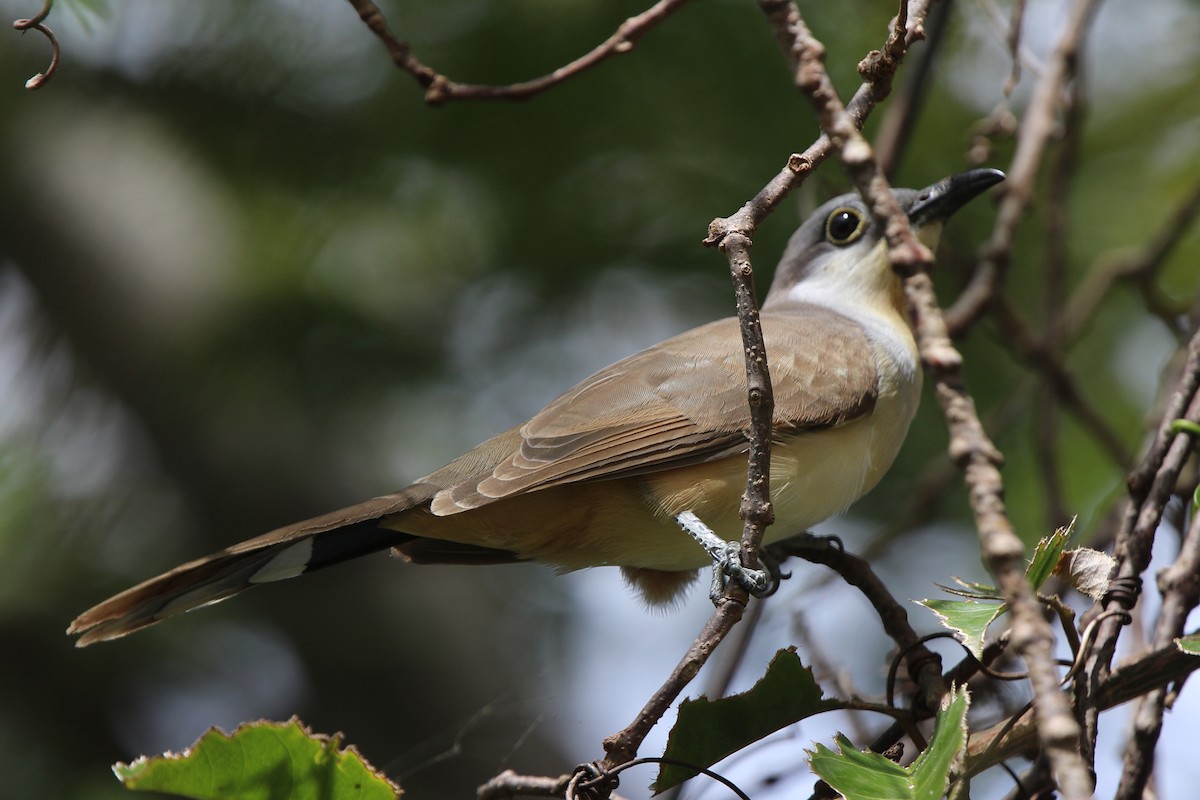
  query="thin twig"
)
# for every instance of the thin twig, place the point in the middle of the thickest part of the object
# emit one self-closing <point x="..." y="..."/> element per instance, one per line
<point x="1035" y="133"/>
<point x="509" y="784"/>
<point x="1180" y="587"/>
<point x="37" y="24"/>
<point x="439" y="88"/>
<point x="1058" y="381"/>
<point x="623" y="745"/>
<point x="1004" y="29"/>
<point x="1014" y="45"/>
<point x="1055" y="257"/>
<point x="1142" y="268"/>
<point x="905" y="252"/>
<point x="1151" y="485"/>
<point x="1007" y="739"/>
<point x="722" y="673"/>
<point x="877" y="71"/>
<point x="1003" y="551"/>
<point x="756" y="512"/>
<point x="857" y="572"/>
<point x="901" y="116"/>
<point x="970" y="446"/>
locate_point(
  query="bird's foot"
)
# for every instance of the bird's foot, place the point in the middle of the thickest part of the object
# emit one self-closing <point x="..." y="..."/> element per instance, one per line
<point x="727" y="561"/>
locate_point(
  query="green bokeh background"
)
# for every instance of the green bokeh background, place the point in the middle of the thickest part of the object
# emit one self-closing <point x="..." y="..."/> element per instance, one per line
<point x="246" y="275"/>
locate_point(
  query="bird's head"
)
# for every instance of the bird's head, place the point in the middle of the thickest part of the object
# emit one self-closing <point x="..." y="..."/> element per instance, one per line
<point x="839" y="255"/>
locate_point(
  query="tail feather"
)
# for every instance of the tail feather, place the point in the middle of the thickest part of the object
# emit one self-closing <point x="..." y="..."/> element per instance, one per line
<point x="281" y="554"/>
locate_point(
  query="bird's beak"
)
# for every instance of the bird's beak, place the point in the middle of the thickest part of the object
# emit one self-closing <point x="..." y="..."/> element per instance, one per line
<point x="937" y="202"/>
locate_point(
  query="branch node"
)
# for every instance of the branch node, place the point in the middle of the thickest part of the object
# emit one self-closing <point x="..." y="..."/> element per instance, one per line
<point x="437" y="92"/>
<point x="799" y="164"/>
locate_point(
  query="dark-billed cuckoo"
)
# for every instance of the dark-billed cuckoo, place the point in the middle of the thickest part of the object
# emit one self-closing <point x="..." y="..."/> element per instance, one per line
<point x="609" y="472"/>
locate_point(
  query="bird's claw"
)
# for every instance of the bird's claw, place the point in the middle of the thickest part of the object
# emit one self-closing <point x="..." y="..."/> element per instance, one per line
<point x="728" y="567"/>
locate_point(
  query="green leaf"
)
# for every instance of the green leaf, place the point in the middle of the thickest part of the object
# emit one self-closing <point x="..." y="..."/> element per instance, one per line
<point x="972" y="590"/>
<point x="708" y="731"/>
<point x="968" y="618"/>
<point x="869" y="776"/>
<point x="858" y="775"/>
<point x="944" y="756"/>
<point x="261" y="761"/>
<point x="1046" y="556"/>
<point x="1189" y="644"/>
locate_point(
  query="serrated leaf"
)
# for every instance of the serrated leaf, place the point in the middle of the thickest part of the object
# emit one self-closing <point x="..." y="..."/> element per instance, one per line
<point x="933" y="768"/>
<point x="261" y="761"/>
<point x="858" y="775"/>
<point x="709" y="730"/>
<point x="1046" y="556"/>
<point x="968" y="618"/>
<point x="869" y="776"/>
<point x="1189" y="644"/>
<point x="1086" y="570"/>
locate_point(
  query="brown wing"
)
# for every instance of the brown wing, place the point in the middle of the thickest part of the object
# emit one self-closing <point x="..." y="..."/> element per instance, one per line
<point x="683" y="401"/>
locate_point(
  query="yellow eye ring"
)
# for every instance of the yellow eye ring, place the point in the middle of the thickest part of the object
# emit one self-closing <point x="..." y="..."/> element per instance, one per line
<point x="844" y="225"/>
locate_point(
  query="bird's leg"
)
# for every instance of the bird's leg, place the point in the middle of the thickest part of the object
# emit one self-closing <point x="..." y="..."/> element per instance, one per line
<point x="727" y="559"/>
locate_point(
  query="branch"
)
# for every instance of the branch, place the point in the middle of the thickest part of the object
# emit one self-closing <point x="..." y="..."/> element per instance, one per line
<point x="807" y="55"/>
<point x="1150" y="487"/>
<point x="970" y="446"/>
<point x="509" y="784"/>
<point x="439" y="88"/>
<point x="877" y="71"/>
<point x="1142" y="268"/>
<point x="900" y="118"/>
<point x="623" y="746"/>
<point x="1035" y="132"/>
<point x="37" y="23"/>
<point x="1008" y="739"/>
<point x="1180" y="586"/>
<point x="733" y="235"/>
<point x="1003" y="551"/>
<point x="1058" y="380"/>
<point x="1056" y="255"/>
<point x="923" y="666"/>
<point x="755" y="510"/>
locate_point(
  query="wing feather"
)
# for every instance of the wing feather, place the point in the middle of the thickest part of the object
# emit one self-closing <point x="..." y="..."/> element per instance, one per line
<point x="681" y="402"/>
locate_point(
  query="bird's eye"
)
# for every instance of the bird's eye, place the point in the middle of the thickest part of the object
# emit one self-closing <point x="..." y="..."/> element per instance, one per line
<point x="844" y="226"/>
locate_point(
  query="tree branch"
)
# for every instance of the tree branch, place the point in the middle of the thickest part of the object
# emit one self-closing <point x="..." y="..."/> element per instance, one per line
<point x="37" y="23"/>
<point x="1007" y="739"/>
<point x="1059" y="381"/>
<point x="439" y="88"/>
<point x="1180" y="587"/>
<point x="1142" y="268"/>
<point x="857" y="572"/>
<point x="623" y="745"/>
<point x="1151" y="485"/>
<point x="1034" y="134"/>
<point x="733" y="235"/>
<point x="877" y="70"/>
<point x="970" y="446"/>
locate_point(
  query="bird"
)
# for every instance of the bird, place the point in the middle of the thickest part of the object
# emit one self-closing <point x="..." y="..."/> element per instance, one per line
<point x="621" y="468"/>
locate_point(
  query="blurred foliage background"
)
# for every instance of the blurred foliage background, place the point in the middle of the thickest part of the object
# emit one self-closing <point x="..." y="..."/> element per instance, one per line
<point x="246" y="275"/>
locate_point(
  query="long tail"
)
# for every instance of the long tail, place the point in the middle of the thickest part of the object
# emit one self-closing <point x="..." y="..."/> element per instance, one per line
<point x="283" y="553"/>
